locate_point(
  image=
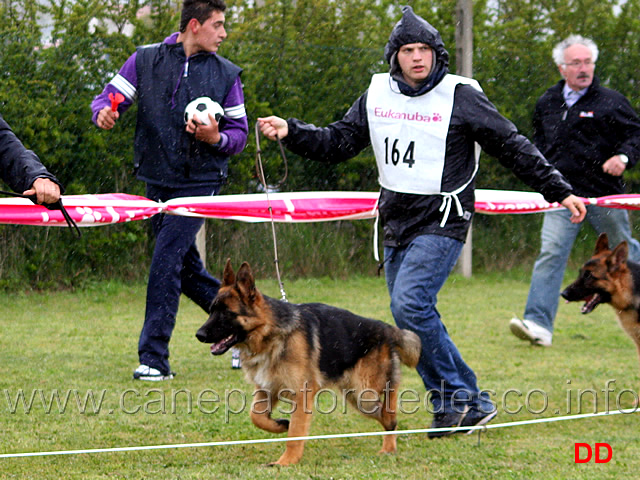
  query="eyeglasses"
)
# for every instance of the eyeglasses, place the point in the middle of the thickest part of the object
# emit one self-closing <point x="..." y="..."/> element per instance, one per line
<point x="577" y="63"/>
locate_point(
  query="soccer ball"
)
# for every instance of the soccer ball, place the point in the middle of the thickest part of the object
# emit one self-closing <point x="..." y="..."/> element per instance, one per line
<point x="203" y="106"/>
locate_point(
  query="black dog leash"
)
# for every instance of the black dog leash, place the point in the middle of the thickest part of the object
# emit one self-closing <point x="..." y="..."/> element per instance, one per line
<point x="263" y="181"/>
<point x="50" y="206"/>
<point x="260" y="171"/>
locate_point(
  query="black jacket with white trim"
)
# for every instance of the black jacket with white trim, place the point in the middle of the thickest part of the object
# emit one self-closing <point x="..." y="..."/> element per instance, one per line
<point x="474" y="119"/>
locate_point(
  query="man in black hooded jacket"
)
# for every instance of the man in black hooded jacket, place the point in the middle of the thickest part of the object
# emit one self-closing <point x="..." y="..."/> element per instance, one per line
<point x="423" y="124"/>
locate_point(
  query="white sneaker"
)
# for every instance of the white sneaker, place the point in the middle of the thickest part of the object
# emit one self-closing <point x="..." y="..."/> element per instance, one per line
<point x="235" y="358"/>
<point x="145" y="372"/>
<point x="531" y="331"/>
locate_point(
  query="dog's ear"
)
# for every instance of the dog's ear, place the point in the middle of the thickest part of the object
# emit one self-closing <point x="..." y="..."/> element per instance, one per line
<point x="228" y="277"/>
<point x="602" y="243"/>
<point x="246" y="283"/>
<point x="619" y="256"/>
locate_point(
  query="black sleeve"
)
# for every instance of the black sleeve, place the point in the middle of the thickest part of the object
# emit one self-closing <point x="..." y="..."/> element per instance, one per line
<point x="499" y="138"/>
<point x="628" y="126"/>
<point x="19" y="167"/>
<point x="337" y="142"/>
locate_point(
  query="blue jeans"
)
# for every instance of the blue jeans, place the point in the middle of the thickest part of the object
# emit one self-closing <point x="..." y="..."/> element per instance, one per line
<point x="558" y="236"/>
<point x="415" y="274"/>
<point x="176" y="268"/>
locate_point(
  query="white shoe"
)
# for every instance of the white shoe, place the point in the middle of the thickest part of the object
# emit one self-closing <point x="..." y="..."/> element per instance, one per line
<point x="145" y="372"/>
<point x="235" y="358"/>
<point x="531" y="331"/>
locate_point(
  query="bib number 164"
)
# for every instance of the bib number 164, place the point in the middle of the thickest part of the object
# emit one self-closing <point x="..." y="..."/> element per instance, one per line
<point x="393" y="151"/>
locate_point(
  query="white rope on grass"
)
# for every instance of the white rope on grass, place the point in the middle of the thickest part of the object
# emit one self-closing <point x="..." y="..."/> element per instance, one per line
<point x="319" y="437"/>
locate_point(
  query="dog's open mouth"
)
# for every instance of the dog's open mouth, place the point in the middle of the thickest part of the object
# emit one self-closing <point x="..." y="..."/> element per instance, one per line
<point x="591" y="302"/>
<point x="223" y="345"/>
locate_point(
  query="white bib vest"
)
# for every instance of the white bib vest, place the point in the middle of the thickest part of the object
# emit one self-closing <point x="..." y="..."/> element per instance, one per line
<point x="409" y="136"/>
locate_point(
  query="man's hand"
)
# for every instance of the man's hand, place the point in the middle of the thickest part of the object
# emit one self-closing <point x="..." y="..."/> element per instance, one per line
<point x="45" y="190"/>
<point x="205" y="133"/>
<point x="614" y="166"/>
<point x="107" y="118"/>
<point x="273" y="126"/>
<point x="576" y="206"/>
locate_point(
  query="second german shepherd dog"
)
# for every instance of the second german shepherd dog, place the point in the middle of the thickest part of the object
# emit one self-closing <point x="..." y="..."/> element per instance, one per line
<point x="292" y="351"/>
<point x="608" y="277"/>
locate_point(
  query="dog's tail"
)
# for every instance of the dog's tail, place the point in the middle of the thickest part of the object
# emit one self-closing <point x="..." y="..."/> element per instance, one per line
<point x="409" y="347"/>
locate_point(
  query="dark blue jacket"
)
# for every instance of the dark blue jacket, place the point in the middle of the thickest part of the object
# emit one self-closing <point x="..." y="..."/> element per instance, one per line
<point x="165" y="154"/>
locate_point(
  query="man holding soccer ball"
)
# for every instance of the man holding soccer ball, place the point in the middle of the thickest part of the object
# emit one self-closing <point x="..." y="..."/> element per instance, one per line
<point x="178" y="157"/>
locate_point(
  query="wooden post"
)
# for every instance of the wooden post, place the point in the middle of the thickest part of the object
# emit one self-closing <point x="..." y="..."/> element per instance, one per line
<point x="464" y="67"/>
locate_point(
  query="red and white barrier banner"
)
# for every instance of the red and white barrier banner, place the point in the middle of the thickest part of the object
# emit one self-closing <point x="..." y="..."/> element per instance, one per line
<point x="85" y="210"/>
<point x="106" y="209"/>
<point x="494" y="202"/>
<point x="503" y="201"/>
<point x="285" y="207"/>
<point x="626" y="202"/>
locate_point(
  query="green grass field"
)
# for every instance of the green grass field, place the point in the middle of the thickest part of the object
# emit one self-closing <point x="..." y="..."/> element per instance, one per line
<point x="80" y="348"/>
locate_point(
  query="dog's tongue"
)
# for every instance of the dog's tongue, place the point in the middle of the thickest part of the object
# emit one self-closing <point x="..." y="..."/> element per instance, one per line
<point x="223" y="345"/>
<point x="591" y="303"/>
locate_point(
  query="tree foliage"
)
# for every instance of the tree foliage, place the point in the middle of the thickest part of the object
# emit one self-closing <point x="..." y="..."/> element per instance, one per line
<point x="306" y="59"/>
<point x="513" y="62"/>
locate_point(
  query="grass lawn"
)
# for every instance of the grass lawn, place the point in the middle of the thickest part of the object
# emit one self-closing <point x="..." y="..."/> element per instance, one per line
<point x="67" y="360"/>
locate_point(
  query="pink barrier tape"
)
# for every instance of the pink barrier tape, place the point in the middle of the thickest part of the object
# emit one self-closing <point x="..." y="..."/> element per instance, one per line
<point x="85" y="210"/>
<point x="290" y="207"/>
<point x="286" y="207"/>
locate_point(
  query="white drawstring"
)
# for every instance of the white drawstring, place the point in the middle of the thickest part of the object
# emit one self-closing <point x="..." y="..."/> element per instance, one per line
<point x="376" y="255"/>
<point x="450" y="197"/>
<point x="447" y="200"/>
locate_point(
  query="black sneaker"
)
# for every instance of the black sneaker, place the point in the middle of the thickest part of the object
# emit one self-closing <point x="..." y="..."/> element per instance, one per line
<point x="476" y="417"/>
<point x="446" y="420"/>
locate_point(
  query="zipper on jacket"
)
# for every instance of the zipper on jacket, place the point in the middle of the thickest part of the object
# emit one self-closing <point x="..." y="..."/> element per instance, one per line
<point x="185" y="74"/>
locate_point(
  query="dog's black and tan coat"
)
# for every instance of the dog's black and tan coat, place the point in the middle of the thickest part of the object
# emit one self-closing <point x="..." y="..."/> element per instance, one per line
<point x="608" y="277"/>
<point x="291" y="351"/>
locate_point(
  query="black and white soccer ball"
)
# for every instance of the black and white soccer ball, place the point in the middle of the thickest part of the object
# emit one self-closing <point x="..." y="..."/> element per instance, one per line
<point x="203" y="106"/>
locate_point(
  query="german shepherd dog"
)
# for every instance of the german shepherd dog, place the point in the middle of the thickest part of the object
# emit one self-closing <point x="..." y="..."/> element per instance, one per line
<point x="608" y="277"/>
<point x="292" y="351"/>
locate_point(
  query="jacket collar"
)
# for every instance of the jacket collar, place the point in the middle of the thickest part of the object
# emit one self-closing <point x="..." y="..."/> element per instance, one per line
<point x="595" y="85"/>
<point x="172" y="42"/>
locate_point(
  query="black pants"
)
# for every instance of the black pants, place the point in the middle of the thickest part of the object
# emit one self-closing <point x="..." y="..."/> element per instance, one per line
<point x="176" y="268"/>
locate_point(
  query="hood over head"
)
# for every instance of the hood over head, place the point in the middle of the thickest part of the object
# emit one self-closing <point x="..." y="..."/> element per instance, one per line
<point x="414" y="29"/>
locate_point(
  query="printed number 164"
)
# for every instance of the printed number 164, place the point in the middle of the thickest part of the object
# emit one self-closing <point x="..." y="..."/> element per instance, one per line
<point x="395" y="153"/>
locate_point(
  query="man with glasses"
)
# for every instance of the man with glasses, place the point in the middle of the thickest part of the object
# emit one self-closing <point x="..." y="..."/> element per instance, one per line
<point x="592" y="135"/>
